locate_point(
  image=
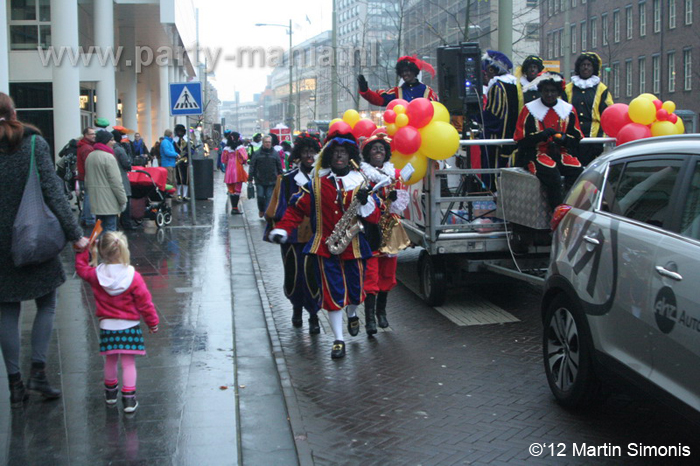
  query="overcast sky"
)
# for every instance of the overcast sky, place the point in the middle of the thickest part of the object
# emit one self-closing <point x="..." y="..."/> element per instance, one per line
<point x="229" y="25"/>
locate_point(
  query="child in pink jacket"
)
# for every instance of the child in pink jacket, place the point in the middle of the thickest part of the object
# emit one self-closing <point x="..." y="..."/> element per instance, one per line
<point x="122" y="299"/>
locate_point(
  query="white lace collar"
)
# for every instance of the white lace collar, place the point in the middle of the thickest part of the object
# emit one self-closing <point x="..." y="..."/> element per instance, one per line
<point x="504" y="78"/>
<point x="301" y="178"/>
<point x="350" y="181"/>
<point x="524" y="82"/>
<point x="539" y="110"/>
<point x="593" y="81"/>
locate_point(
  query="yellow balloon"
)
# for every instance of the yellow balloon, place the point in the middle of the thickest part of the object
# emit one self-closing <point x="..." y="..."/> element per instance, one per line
<point x="399" y="160"/>
<point x="401" y="119"/>
<point x="441" y="113"/>
<point x="669" y="106"/>
<point x="440" y="140"/>
<point x="391" y="129"/>
<point x="420" y="166"/>
<point x="399" y="109"/>
<point x="351" y="117"/>
<point x="642" y="111"/>
<point x="680" y="126"/>
<point x="334" y="120"/>
<point x="651" y="97"/>
<point x="663" y="128"/>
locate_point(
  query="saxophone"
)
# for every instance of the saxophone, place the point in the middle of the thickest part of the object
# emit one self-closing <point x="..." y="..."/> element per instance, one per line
<point x="349" y="225"/>
<point x="387" y="222"/>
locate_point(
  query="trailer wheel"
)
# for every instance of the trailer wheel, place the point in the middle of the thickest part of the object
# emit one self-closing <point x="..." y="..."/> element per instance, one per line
<point x="433" y="279"/>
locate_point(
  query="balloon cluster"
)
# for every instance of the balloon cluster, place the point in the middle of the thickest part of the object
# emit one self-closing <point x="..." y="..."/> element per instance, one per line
<point x="420" y="130"/>
<point x="351" y="123"/>
<point x="645" y="116"/>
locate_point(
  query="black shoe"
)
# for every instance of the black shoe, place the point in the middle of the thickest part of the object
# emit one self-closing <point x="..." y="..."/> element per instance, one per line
<point x="314" y="326"/>
<point x="338" y="350"/>
<point x="129" y="401"/>
<point x="353" y="325"/>
<point x="111" y="393"/>
<point x="18" y="394"/>
<point x="38" y="383"/>
<point x="370" y="321"/>
<point x="296" y="317"/>
<point x="381" y="309"/>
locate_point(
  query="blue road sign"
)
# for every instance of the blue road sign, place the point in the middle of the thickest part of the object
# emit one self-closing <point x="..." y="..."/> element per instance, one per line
<point x="186" y="98"/>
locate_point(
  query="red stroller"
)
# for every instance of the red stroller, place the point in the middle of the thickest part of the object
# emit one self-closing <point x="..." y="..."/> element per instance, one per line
<point x="148" y="195"/>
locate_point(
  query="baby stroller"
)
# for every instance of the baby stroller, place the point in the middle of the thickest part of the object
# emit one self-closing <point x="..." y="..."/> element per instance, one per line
<point x="148" y="196"/>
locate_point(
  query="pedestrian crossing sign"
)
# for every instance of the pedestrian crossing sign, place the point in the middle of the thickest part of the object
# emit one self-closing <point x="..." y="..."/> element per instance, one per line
<point x="186" y="98"/>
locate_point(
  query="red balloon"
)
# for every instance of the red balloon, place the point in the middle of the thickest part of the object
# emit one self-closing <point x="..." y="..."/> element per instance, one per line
<point x="420" y="112"/>
<point x="662" y="114"/>
<point x="339" y="127"/>
<point x="396" y="102"/>
<point x="672" y="117"/>
<point x="363" y="128"/>
<point x="632" y="132"/>
<point x="381" y="129"/>
<point x="407" y="140"/>
<point x="389" y="116"/>
<point x="657" y="103"/>
<point x="614" y="118"/>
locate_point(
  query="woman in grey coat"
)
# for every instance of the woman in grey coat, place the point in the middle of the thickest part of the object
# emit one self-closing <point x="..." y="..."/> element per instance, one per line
<point x="37" y="282"/>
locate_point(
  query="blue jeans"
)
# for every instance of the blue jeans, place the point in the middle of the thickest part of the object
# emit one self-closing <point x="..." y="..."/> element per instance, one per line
<point x="109" y="222"/>
<point x="86" y="216"/>
<point x="264" y="194"/>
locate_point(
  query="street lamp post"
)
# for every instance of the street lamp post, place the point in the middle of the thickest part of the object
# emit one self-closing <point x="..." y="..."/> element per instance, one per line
<point x="290" y="106"/>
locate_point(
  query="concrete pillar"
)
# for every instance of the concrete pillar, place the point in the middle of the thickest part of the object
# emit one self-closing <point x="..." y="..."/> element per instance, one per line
<point x="164" y="106"/>
<point x="145" y="126"/>
<point x="129" y="97"/>
<point x="104" y="39"/>
<point x="4" y="54"/>
<point x="66" y="78"/>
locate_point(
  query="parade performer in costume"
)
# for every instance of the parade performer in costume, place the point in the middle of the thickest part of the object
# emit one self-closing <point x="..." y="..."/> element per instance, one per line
<point x="407" y="68"/>
<point x="501" y="109"/>
<point x="531" y="67"/>
<point x="334" y="199"/>
<point x="547" y="134"/>
<point x="234" y="156"/>
<point x="590" y="97"/>
<point x="180" y="140"/>
<point x="296" y="286"/>
<point x="388" y="236"/>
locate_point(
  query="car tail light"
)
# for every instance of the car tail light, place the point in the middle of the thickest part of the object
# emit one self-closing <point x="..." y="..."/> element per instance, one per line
<point x="558" y="214"/>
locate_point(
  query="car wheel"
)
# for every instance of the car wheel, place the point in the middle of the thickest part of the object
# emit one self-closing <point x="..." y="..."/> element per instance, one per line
<point x="568" y="355"/>
<point x="433" y="279"/>
<point x="160" y="219"/>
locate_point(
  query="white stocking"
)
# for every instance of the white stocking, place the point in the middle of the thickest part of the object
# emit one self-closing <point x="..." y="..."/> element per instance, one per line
<point x="351" y="310"/>
<point x="185" y="189"/>
<point x="336" y="318"/>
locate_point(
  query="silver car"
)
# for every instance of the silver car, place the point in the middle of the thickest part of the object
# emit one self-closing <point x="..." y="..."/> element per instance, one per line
<point x="622" y="294"/>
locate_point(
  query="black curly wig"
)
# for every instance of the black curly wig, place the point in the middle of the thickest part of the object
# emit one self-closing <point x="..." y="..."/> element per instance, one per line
<point x="233" y="140"/>
<point x="275" y="139"/>
<point x="305" y="141"/>
<point x="368" y="146"/>
<point x="403" y="64"/>
<point x="594" y="59"/>
<point x="351" y="147"/>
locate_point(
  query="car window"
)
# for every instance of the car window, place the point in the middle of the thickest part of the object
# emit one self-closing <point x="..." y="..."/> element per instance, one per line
<point x="583" y="193"/>
<point x="642" y="190"/>
<point x="690" y="220"/>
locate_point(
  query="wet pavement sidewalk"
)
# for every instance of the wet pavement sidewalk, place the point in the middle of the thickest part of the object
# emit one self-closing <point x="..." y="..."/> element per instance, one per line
<point x="208" y="389"/>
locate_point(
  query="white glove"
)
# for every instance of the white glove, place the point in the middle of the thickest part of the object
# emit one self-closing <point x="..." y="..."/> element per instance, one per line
<point x="278" y="236"/>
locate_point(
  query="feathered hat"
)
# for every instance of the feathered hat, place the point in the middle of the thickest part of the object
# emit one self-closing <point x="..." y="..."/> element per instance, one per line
<point x="498" y="60"/>
<point x="414" y="64"/>
<point x="346" y="140"/>
<point x="546" y="77"/>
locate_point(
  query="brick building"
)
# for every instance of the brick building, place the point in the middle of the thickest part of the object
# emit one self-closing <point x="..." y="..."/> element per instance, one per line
<point x="647" y="46"/>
